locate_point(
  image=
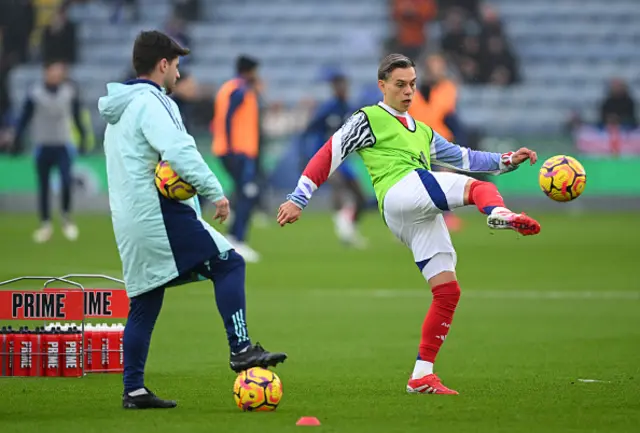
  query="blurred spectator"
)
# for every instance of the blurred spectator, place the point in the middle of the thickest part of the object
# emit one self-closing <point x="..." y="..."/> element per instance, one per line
<point x="188" y="10"/>
<point x="498" y="64"/>
<point x="618" y="107"/>
<point x="17" y="18"/>
<point x="453" y="32"/>
<point x="16" y="24"/>
<point x="124" y="10"/>
<point x="469" y="60"/>
<point x="490" y="23"/>
<point x="411" y="17"/>
<point x="477" y="45"/>
<point x="176" y="28"/>
<point x="468" y="7"/>
<point x="59" y="40"/>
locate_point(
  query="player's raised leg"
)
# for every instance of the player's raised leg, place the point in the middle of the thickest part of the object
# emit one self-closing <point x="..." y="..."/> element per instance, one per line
<point x="486" y="197"/>
<point x="143" y="313"/>
<point x="227" y="271"/>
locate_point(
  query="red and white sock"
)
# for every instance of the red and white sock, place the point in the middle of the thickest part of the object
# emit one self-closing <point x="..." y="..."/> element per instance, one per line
<point x="485" y="196"/>
<point x="436" y="326"/>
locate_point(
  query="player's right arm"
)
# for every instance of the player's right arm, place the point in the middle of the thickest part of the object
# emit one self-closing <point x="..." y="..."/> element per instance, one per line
<point x="26" y="115"/>
<point x="166" y="134"/>
<point x="355" y="134"/>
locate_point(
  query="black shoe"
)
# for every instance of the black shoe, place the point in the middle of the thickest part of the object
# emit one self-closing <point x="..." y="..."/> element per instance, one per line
<point x="146" y="401"/>
<point x="255" y="356"/>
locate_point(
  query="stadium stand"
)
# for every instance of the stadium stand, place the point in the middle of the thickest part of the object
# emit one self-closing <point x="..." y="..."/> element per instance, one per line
<point x="568" y="51"/>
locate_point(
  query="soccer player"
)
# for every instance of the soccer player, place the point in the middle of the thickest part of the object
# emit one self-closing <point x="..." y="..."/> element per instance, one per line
<point x="49" y="110"/>
<point x="236" y="141"/>
<point x="399" y="153"/>
<point x="165" y="242"/>
<point x="325" y="122"/>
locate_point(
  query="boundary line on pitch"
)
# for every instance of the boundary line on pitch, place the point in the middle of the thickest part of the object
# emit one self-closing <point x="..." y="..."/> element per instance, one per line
<point x="486" y="294"/>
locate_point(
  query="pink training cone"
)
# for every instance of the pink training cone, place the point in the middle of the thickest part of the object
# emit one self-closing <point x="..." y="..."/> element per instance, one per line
<point x="308" y="420"/>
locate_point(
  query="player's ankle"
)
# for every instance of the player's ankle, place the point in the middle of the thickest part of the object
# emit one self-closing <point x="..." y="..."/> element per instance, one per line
<point x="498" y="209"/>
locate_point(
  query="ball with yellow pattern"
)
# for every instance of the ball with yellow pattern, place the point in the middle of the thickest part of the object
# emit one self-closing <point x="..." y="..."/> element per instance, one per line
<point x="257" y="390"/>
<point x="562" y="178"/>
<point x="170" y="184"/>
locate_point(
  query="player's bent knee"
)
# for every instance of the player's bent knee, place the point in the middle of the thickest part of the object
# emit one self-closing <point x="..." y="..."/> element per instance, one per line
<point x="440" y="269"/>
<point x="467" y="190"/>
<point x="444" y="277"/>
<point x="235" y="260"/>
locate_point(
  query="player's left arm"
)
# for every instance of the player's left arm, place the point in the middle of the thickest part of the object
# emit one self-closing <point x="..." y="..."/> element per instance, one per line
<point x="448" y="155"/>
<point x="166" y="134"/>
<point x="23" y="122"/>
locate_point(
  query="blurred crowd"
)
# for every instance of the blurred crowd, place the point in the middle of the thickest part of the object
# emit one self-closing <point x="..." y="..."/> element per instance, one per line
<point x="453" y="42"/>
<point x="471" y="37"/>
<point x="467" y="36"/>
<point x="43" y="32"/>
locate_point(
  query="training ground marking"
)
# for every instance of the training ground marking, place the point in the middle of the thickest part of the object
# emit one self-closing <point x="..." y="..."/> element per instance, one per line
<point x="593" y="381"/>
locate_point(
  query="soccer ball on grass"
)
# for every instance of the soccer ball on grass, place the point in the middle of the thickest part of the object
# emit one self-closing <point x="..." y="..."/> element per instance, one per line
<point x="562" y="178"/>
<point x="170" y="184"/>
<point x="257" y="390"/>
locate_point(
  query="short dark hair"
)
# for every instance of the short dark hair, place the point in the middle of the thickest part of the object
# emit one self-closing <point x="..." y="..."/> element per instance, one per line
<point x="246" y="64"/>
<point x="47" y="63"/>
<point x="152" y="46"/>
<point x="392" y="62"/>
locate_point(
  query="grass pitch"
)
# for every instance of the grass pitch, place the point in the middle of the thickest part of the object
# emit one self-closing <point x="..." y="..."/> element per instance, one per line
<point x="536" y="316"/>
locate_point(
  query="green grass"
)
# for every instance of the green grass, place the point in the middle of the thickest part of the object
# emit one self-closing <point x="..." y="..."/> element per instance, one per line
<point x="536" y="315"/>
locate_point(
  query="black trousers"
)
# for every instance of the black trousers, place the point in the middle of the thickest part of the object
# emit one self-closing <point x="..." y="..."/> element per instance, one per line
<point x="48" y="157"/>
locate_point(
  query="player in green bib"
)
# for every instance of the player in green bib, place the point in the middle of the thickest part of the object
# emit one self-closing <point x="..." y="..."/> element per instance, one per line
<point x="399" y="152"/>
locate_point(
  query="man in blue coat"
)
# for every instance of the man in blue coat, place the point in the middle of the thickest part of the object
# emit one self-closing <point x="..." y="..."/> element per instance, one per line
<point x="164" y="242"/>
<point x="327" y="120"/>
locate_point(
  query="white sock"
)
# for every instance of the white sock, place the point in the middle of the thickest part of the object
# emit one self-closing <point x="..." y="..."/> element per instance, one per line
<point x="422" y="369"/>
<point x="138" y="392"/>
<point x="500" y="209"/>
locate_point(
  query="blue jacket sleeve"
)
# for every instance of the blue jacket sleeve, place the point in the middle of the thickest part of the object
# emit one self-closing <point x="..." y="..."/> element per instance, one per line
<point x="235" y="100"/>
<point x="23" y="122"/>
<point x="166" y="135"/>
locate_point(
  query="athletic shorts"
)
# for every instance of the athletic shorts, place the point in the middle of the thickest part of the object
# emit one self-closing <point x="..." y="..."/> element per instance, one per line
<point x="413" y="211"/>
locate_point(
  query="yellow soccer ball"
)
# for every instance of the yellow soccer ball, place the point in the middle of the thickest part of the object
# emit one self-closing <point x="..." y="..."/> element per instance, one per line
<point x="257" y="390"/>
<point x="562" y="178"/>
<point x="170" y="184"/>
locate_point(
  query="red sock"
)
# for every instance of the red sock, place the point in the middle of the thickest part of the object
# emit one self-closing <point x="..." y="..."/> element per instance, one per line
<point x="436" y="325"/>
<point x="485" y="196"/>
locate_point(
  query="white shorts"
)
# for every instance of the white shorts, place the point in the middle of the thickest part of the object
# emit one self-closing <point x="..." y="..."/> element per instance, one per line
<point x="413" y="211"/>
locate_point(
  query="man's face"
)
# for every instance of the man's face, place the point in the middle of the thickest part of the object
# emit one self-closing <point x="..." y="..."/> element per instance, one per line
<point x="399" y="87"/>
<point x="170" y="73"/>
<point x="55" y="74"/>
<point x="436" y="67"/>
<point x="340" y="88"/>
<point x="251" y="76"/>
